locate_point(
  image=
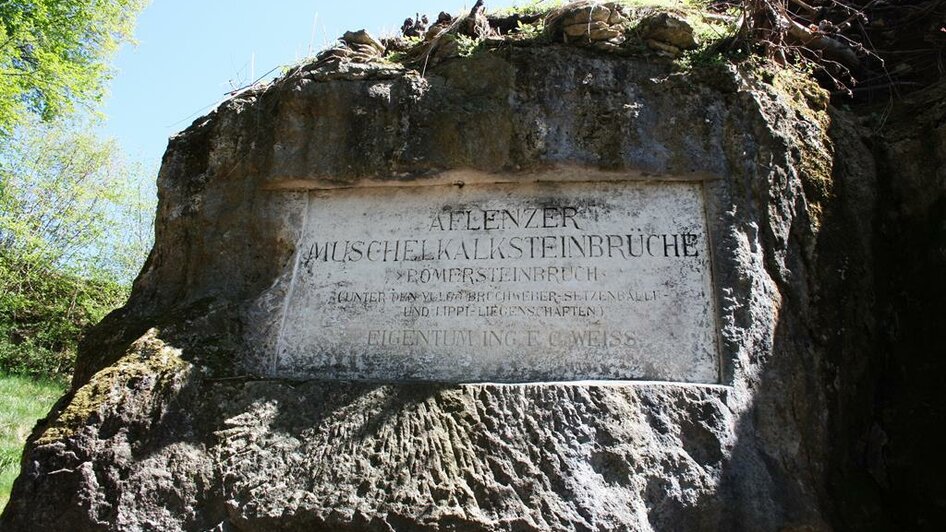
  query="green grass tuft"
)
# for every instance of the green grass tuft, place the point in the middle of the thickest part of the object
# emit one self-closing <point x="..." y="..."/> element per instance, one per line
<point x="23" y="401"/>
<point x="528" y="7"/>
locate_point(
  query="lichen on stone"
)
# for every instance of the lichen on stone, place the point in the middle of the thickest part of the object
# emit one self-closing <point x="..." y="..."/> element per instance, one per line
<point x="810" y="103"/>
<point x="149" y="362"/>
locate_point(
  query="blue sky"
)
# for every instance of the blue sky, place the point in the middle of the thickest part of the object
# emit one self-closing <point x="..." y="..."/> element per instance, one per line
<point x="190" y="53"/>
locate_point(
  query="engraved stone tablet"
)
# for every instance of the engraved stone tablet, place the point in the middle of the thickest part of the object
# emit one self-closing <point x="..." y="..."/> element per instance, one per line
<point x="503" y="282"/>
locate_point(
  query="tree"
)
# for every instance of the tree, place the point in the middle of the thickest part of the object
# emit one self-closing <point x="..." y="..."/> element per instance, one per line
<point x="69" y="200"/>
<point x="74" y="230"/>
<point x="54" y="54"/>
<point x="74" y="224"/>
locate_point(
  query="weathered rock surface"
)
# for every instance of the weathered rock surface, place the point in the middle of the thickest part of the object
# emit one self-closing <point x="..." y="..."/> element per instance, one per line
<point x="601" y="24"/>
<point x="891" y="371"/>
<point x="668" y="28"/>
<point x="169" y="425"/>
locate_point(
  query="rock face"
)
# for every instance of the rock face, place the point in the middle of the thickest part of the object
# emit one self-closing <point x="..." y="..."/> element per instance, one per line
<point x="170" y="423"/>
<point x="891" y="373"/>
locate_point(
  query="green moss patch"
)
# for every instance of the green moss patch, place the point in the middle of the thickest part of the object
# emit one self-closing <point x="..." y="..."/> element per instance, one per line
<point x="148" y="360"/>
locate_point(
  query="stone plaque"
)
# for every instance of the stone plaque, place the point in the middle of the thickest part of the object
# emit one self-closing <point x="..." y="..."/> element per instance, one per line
<point x="503" y="282"/>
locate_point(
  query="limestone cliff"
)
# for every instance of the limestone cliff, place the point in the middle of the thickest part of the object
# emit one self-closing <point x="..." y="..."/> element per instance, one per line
<point x="171" y="424"/>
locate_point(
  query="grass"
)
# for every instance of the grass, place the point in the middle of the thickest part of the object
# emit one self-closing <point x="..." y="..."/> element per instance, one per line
<point x="528" y="7"/>
<point x="22" y="402"/>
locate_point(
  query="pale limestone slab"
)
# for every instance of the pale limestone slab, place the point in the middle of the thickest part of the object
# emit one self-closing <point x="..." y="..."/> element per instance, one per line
<point x="503" y="282"/>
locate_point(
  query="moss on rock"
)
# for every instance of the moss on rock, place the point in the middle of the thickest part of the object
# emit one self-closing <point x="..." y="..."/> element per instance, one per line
<point x="815" y="164"/>
<point x="149" y="362"/>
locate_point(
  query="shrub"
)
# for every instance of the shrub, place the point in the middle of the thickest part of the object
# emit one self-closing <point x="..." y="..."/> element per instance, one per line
<point x="44" y="312"/>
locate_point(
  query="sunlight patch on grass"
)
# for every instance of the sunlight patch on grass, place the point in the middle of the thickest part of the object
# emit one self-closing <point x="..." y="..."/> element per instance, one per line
<point x="23" y="401"/>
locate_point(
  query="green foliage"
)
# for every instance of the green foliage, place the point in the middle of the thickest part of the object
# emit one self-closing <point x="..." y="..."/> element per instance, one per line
<point x="22" y="402"/>
<point x="54" y="54"/>
<point x="466" y="45"/>
<point x="74" y="228"/>
<point x="413" y="40"/>
<point x="404" y="50"/>
<point x="530" y="7"/>
<point x="68" y="200"/>
<point x="530" y="31"/>
<point x="44" y="313"/>
<point x="714" y="36"/>
<point x="73" y="233"/>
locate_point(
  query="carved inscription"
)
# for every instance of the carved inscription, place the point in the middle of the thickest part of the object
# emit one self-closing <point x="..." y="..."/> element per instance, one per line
<point x="504" y="282"/>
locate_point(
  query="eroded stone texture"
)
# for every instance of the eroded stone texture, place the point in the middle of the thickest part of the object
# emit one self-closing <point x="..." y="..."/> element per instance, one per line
<point x="175" y="429"/>
<point x="292" y="456"/>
